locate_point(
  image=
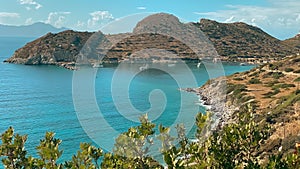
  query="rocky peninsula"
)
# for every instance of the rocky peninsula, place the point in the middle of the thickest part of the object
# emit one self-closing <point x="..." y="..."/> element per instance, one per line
<point x="231" y="41"/>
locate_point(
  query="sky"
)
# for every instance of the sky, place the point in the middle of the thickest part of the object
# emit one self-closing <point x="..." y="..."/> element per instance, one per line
<point x="280" y="18"/>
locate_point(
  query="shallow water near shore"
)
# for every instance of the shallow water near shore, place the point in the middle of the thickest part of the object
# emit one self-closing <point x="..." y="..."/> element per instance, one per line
<point x="36" y="99"/>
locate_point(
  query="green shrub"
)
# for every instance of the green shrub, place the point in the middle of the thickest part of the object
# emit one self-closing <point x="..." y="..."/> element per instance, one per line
<point x="297" y="79"/>
<point x="285" y="102"/>
<point x="283" y="86"/>
<point x="275" y="66"/>
<point x="245" y="98"/>
<point x="254" y="81"/>
<point x="296" y="60"/>
<point x="235" y="145"/>
<point x="237" y="88"/>
<point x="277" y="75"/>
<point x="272" y="93"/>
<point x="272" y="83"/>
<point x="297" y="71"/>
<point x="254" y="74"/>
<point x="288" y="69"/>
<point x="238" y="79"/>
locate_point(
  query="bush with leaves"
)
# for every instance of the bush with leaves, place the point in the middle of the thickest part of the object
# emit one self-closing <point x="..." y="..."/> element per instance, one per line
<point x="131" y="148"/>
<point x="235" y="145"/>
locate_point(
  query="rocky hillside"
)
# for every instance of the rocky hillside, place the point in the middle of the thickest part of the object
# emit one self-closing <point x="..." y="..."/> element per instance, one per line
<point x="51" y="49"/>
<point x="273" y="90"/>
<point x="294" y="42"/>
<point x="128" y="46"/>
<point x="242" y="40"/>
<point x="161" y="32"/>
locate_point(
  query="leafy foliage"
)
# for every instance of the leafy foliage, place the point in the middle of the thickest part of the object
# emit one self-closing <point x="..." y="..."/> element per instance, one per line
<point x="87" y="157"/>
<point x="234" y="145"/>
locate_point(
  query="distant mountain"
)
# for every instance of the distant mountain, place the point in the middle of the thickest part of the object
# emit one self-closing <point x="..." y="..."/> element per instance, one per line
<point x="35" y="30"/>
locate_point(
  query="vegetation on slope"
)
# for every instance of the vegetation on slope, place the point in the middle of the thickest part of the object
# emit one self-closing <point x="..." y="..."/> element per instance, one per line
<point x="293" y="42"/>
<point x="275" y="88"/>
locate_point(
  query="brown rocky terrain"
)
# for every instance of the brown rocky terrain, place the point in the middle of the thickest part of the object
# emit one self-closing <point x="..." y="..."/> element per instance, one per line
<point x="188" y="41"/>
<point x="273" y="89"/>
<point x="52" y="49"/>
<point x="294" y="42"/>
<point x="242" y="40"/>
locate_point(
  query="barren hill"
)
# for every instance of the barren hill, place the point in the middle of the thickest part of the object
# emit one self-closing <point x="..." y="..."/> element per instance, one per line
<point x="187" y="41"/>
<point x="242" y="40"/>
<point x="294" y="42"/>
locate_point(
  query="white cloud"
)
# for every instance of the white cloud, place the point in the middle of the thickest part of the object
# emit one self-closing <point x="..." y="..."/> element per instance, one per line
<point x="29" y="21"/>
<point x="9" y="18"/>
<point x="98" y="19"/>
<point x="80" y="24"/>
<point x="9" y="15"/>
<point x="141" y="8"/>
<point x="57" y="19"/>
<point x="280" y="18"/>
<point x="230" y="19"/>
<point x="30" y="3"/>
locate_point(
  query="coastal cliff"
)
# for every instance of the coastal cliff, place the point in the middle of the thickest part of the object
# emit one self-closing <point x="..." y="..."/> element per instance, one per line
<point x="232" y="41"/>
<point x="272" y="90"/>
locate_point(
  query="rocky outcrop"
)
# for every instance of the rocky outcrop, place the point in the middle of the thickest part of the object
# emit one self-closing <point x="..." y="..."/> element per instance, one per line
<point x="51" y="49"/>
<point x="213" y="96"/>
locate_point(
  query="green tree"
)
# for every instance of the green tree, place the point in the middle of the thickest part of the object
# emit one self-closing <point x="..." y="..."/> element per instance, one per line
<point x="131" y="148"/>
<point x="12" y="149"/>
<point x="87" y="158"/>
<point x="235" y="145"/>
<point x="49" y="151"/>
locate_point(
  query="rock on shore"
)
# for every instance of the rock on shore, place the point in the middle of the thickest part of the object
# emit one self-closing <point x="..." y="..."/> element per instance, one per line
<point x="213" y="95"/>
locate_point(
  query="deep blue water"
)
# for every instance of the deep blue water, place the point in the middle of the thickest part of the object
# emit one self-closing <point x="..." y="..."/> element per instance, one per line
<point x="36" y="99"/>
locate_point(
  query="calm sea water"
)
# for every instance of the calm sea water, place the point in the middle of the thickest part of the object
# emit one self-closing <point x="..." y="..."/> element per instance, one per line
<point x="36" y="99"/>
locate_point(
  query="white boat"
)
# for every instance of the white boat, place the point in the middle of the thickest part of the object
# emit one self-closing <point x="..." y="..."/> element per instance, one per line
<point x="215" y="60"/>
<point x="199" y="64"/>
<point x="144" y="67"/>
<point x="95" y="65"/>
<point x="171" y="65"/>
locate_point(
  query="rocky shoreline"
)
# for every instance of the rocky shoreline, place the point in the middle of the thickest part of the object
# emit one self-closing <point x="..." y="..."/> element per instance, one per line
<point x="213" y="97"/>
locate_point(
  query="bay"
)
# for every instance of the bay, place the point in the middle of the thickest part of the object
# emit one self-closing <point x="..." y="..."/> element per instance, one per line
<point x="36" y="99"/>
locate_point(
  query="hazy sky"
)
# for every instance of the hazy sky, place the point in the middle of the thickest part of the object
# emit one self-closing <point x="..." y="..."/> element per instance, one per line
<point x="280" y="18"/>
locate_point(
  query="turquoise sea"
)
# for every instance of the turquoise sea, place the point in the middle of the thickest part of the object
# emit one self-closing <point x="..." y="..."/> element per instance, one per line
<point x="36" y="99"/>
